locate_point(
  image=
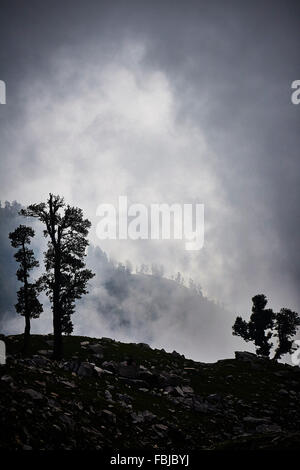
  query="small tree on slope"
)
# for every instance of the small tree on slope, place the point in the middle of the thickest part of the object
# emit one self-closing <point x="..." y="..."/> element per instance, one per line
<point x="28" y="304"/>
<point x="264" y="324"/>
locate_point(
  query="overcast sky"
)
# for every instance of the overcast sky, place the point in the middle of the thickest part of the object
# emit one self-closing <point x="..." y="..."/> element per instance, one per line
<point x="163" y="101"/>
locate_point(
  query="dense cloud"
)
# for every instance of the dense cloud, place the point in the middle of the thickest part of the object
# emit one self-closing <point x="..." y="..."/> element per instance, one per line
<point x="167" y="102"/>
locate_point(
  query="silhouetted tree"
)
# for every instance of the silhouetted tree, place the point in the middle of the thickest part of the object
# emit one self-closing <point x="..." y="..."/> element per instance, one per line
<point x="157" y="270"/>
<point x="66" y="277"/>
<point x="129" y="267"/>
<point x="179" y="278"/>
<point x="264" y="323"/>
<point x="256" y="330"/>
<point x="286" y="324"/>
<point x="195" y="287"/>
<point x="28" y="304"/>
<point x="144" y="269"/>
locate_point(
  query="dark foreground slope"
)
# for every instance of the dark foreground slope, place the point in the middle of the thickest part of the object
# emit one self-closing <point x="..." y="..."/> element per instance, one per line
<point x="110" y="395"/>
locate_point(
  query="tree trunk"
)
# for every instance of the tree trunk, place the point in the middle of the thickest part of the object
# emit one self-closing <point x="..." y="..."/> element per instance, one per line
<point x="57" y="328"/>
<point x="27" y="312"/>
<point x="57" y="348"/>
<point x="26" y="334"/>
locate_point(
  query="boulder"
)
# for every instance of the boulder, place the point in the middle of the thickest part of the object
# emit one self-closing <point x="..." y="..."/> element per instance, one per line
<point x="33" y="394"/>
<point x="268" y="428"/>
<point x="40" y="360"/>
<point x="176" y="354"/>
<point x="96" y="348"/>
<point x="144" y="345"/>
<point x="110" y="365"/>
<point x="85" y="369"/>
<point x="179" y="391"/>
<point x="45" y="352"/>
<point x="129" y="371"/>
<point x="251" y="420"/>
<point x="109" y="415"/>
<point x="246" y="356"/>
<point x="6" y="378"/>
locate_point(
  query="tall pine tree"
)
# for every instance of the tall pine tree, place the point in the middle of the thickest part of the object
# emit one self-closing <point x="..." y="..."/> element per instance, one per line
<point x="66" y="277"/>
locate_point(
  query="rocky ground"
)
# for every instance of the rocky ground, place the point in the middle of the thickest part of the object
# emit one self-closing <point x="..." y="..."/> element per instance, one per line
<point x="110" y="395"/>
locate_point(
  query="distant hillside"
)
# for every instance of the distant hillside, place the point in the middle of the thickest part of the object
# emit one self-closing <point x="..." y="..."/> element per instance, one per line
<point x="108" y="395"/>
<point x="153" y="309"/>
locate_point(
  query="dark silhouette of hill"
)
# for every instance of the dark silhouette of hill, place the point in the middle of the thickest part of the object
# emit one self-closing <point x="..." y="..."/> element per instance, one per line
<point x="108" y="395"/>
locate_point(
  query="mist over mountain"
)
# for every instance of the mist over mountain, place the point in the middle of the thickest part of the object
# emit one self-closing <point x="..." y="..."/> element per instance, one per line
<point x="122" y="304"/>
<point x="150" y="308"/>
